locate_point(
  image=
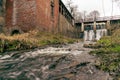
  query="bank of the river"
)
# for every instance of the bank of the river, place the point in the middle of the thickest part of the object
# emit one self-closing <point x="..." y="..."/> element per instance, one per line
<point x="108" y="54"/>
<point x="31" y="40"/>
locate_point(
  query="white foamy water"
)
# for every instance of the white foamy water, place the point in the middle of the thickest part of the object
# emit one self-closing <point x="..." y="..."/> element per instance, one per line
<point x="47" y="51"/>
<point x="90" y="35"/>
<point x="100" y="33"/>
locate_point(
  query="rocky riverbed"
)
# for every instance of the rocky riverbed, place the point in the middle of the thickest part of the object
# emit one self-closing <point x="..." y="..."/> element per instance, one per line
<point x="69" y="62"/>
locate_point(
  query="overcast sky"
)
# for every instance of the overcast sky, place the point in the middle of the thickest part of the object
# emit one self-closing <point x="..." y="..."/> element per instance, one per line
<point x="90" y="5"/>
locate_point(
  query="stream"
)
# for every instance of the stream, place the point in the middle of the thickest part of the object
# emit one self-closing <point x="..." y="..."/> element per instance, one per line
<point x="69" y="62"/>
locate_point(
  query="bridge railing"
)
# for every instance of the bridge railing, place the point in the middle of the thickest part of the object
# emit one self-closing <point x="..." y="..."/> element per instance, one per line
<point x="117" y="17"/>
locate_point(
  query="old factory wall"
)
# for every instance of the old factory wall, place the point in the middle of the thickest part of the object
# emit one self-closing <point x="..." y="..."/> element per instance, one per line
<point x="2" y="15"/>
<point x="49" y="15"/>
<point x="21" y="15"/>
<point x="66" y="21"/>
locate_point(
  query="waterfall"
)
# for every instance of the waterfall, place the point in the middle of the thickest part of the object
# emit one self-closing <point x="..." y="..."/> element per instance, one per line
<point x="100" y="33"/>
<point x="90" y="35"/>
<point x="85" y="35"/>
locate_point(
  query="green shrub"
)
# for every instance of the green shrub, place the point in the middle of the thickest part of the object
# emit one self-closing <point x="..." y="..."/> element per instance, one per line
<point x="30" y="40"/>
<point x="105" y="42"/>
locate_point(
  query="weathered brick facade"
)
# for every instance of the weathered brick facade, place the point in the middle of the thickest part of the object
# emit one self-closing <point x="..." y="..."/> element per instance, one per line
<point x="2" y="15"/>
<point x="21" y="14"/>
<point x="45" y="18"/>
<point x="50" y="15"/>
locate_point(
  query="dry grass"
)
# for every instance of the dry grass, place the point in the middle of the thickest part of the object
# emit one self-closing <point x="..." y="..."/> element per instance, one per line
<point x="31" y="39"/>
<point x="27" y="37"/>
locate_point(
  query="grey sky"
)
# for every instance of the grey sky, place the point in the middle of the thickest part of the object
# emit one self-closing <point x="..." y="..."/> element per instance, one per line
<point x="90" y="5"/>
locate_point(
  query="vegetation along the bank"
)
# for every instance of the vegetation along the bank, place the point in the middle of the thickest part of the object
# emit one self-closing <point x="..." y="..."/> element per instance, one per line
<point x="30" y="40"/>
<point x="108" y="54"/>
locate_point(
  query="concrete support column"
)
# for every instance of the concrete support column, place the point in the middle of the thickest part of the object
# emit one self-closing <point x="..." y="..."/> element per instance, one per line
<point x="108" y="24"/>
<point x="82" y="27"/>
<point x="94" y="25"/>
<point x="108" y="27"/>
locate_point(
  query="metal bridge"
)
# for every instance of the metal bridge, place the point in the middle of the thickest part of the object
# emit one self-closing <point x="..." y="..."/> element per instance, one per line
<point x="96" y="27"/>
<point x="106" y="18"/>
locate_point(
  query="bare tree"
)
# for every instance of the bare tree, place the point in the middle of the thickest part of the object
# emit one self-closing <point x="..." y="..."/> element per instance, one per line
<point x="81" y="16"/>
<point x="69" y="5"/>
<point x="94" y="14"/>
<point x="78" y="16"/>
<point x="117" y="1"/>
<point x="72" y="8"/>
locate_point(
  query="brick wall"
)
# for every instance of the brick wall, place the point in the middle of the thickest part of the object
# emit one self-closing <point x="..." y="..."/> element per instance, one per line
<point x="9" y="9"/>
<point x="21" y="13"/>
<point x="24" y="14"/>
<point x="31" y="14"/>
<point x="44" y="18"/>
<point x="65" y="27"/>
<point x="2" y="14"/>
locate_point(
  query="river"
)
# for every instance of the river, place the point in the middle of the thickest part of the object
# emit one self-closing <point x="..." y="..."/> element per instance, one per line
<point x="67" y="62"/>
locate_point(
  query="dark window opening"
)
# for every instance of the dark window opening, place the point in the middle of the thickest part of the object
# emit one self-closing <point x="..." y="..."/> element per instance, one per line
<point x="52" y="8"/>
<point x="1" y="3"/>
<point x="14" y="32"/>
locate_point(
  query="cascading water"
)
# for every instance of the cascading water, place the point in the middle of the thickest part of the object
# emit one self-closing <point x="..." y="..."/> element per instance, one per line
<point x="91" y="35"/>
<point x="100" y="33"/>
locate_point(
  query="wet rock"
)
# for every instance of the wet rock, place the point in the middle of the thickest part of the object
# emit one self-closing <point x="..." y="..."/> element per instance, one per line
<point x="63" y="63"/>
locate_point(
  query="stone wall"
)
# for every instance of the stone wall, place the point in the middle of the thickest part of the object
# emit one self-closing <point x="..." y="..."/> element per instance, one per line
<point x="45" y="19"/>
<point x="31" y="14"/>
<point x="2" y="14"/>
<point x="65" y="27"/>
<point x="26" y="15"/>
<point x="21" y="13"/>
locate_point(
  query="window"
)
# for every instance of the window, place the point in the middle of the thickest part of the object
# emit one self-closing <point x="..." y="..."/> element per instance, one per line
<point x="52" y="8"/>
<point x="1" y="3"/>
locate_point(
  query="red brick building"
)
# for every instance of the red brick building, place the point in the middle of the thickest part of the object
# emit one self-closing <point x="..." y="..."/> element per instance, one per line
<point x="50" y="15"/>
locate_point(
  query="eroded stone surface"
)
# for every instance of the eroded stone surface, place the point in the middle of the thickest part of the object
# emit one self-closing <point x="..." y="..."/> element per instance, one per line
<point x="71" y="62"/>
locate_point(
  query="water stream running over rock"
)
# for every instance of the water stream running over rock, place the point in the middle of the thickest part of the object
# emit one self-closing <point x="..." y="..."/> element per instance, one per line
<point x="90" y="35"/>
<point x="70" y="62"/>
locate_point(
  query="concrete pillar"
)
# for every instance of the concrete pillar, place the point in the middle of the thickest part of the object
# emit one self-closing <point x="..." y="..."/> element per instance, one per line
<point x="108" y="27"/>
<point x="108" y="24"/>
<point x="82" y="27"/>
<point x="94" y="25"/>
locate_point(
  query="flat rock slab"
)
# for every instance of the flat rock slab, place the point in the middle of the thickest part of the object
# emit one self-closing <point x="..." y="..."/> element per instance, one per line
<point x="71" y="62"/>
